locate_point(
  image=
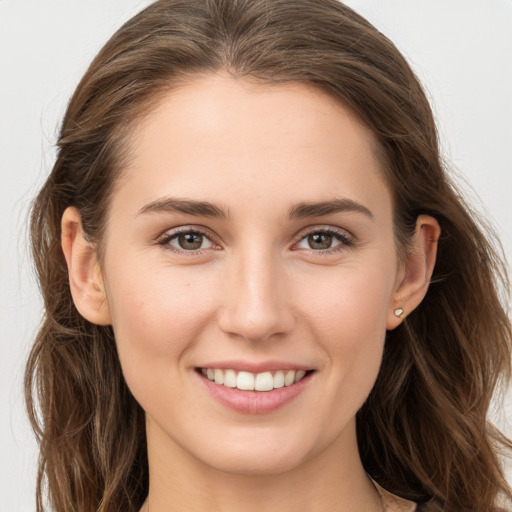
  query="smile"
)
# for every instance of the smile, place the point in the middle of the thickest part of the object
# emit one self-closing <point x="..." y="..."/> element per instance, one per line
<point x="247" y="381"/>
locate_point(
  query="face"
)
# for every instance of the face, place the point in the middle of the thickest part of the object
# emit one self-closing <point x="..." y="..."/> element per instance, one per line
<point x="250" y="244"/>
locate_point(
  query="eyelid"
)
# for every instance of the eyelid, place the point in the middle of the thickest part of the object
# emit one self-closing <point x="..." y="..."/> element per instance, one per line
<point x="347" y="239"/>
<point x="169" y="234"/>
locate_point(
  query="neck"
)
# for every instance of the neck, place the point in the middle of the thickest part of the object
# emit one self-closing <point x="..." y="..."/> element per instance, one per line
<point x="331" y="480"/>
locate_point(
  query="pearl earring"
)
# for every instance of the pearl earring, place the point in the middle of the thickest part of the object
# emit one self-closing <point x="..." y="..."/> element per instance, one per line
<point x="399" y="312"/>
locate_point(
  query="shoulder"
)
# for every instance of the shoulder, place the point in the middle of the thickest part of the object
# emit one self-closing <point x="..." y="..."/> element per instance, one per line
<point x="392" y="503"/>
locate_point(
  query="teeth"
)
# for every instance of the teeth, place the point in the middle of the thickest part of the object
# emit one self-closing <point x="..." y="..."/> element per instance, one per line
<point x="230" y="378"/>
<point x="264" y="382"/>
<point x="298" y="376"/>
<point x="289" y="378"/>
<point x="246" y="381"/>
<point x="218" y="375"/>
<point x="279" y="379"/>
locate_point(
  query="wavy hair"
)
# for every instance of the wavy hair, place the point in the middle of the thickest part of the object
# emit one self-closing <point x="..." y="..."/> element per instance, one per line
<point x="423" y="432"/>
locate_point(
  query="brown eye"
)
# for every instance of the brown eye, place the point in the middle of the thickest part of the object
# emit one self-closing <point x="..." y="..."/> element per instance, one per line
<point x="189" y="241"/>
<point x="325" y="240"/>
<point x="320" y="241"/>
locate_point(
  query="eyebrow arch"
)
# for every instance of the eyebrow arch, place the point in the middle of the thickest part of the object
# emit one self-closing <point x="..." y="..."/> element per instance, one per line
<point x="188" y="206"/>
<point x="328" y="207"/>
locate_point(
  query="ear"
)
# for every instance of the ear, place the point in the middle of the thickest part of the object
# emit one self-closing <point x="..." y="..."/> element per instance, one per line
<point x="415" y="277"/>
<point x="85" y="279"/>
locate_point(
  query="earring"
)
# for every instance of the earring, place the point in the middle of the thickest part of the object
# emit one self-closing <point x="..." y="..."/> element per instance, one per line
<point x="398" y="312"/>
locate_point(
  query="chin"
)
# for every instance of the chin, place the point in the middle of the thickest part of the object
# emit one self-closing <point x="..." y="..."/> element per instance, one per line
<point x="263" y="451"/>
<point x="264" y="463"/>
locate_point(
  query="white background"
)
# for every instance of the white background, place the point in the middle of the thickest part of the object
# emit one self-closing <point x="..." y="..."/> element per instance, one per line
<point x="461" y="49"/>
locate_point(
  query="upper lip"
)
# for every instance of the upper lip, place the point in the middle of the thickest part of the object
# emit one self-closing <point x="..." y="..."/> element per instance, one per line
<point x="255" y="367"/>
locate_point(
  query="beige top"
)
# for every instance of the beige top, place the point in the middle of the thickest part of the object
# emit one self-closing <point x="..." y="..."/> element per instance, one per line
<point x="392" y="503"/>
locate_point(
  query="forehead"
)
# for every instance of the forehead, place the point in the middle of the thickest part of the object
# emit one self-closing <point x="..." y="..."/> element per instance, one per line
<point x="219" y="136"/>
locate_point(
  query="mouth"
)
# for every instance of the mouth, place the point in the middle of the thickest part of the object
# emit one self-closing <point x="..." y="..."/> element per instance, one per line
<point x="247" y="381"/>
<point x="255" y="388"/>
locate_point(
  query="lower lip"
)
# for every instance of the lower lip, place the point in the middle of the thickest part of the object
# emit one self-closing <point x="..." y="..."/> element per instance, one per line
<point x="255" y="402"/>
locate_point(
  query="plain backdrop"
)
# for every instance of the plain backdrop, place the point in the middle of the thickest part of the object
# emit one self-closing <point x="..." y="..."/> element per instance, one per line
<point x="461" y="49"/>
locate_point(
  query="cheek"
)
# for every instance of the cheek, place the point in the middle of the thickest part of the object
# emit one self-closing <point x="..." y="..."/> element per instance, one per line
<point x="157" y="317"/>
<point x="347" y="314"/>
<point x="348" y="303"/>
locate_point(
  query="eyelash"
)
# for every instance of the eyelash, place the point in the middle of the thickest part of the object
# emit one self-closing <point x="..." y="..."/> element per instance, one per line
<point x="345" y="240"/>
<point x="168" y="237"/>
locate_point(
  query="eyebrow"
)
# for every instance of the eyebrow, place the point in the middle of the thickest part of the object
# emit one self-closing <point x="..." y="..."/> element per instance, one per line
<point x="188" y="206"/>
<point x="328" y="207"/>
<point x="207" y="209"/>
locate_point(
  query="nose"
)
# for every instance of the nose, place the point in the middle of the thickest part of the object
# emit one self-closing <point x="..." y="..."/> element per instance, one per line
<point x="255" y="302"/>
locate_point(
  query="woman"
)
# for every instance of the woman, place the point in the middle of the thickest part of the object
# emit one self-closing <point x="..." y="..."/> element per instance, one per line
<point x="261" y="289"/>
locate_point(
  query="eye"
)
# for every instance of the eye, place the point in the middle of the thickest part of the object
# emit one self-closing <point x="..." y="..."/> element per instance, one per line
<point x="324" y="240"/>
<point x="187" y="241"/>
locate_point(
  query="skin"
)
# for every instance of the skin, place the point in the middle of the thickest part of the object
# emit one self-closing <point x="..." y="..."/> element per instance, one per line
<point x="256" y="290"/>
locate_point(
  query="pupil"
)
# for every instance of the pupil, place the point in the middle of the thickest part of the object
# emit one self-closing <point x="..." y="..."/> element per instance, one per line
<point x="190" y="241"/>
<point x="320" y="241"/>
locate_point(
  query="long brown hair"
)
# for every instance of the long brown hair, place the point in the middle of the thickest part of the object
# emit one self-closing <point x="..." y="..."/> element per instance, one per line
<point x="423" y="433"/>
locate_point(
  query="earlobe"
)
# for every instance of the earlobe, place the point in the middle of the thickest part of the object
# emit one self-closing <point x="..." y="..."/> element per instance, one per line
<point x="85" y="278"/>
<point x="417" y="271"/>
